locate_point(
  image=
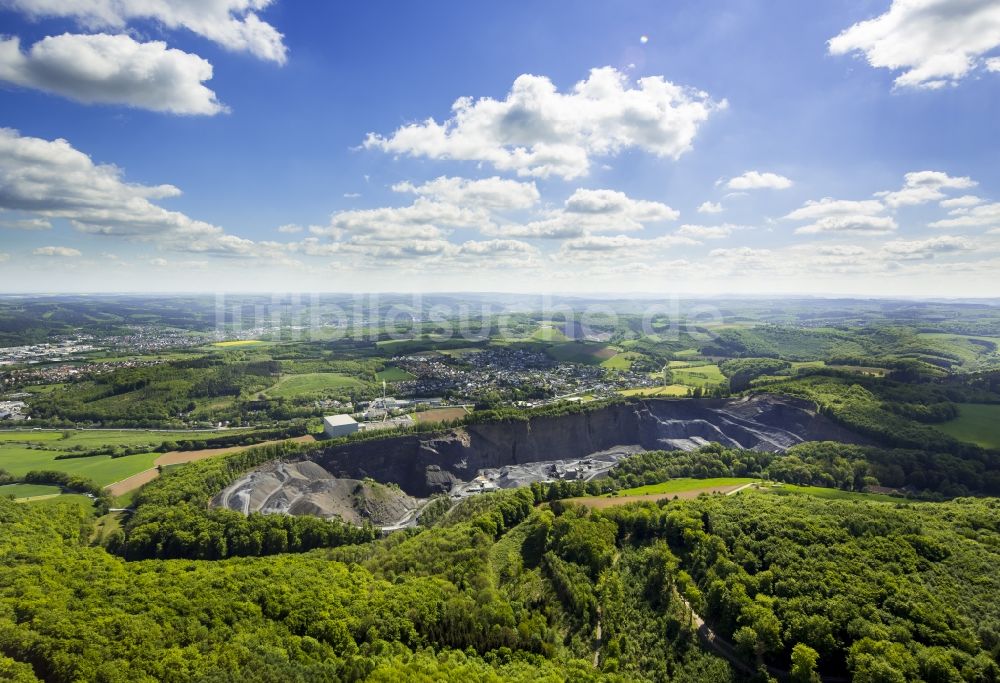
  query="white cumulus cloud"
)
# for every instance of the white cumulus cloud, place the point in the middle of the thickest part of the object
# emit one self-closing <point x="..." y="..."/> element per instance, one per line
<point x="835" y="207"/>
<point x="987" y="215"/>
<point x="850" y="224"/>
<point x="707" y="232"/>
<point x="925" y="249"/>
<point x="845" y="216"/>
<point x="920" y="187"/>
<point x="876" y="216"/>
<point x="614" y="203"/>
<point x="51" y="179"/>
<point x="736" y="259"/>
<point x="587" y="212"/>
<point x="932" y="42"/>
<point x="538" y="131"/>
<point x="490" y="193"/>
<point x="424" y="219"/>
<point x="600" y="247"/>
<point x="756" y="180"/>
<point x="26" y="224"/>
<point x="710" y="207"/>
<point x="962" y="202"/>
<point x="56" y="251"/>
<point x="112" y="69"/>
<point x="233" y="24"/>
<point x="487" y="247"/>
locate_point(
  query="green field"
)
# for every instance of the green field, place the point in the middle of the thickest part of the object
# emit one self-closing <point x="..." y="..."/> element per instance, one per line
<point x="549" y="334"/>
<point x="28" y="490"/>
<point x="459" y="353"/>
<point x="45" y="388"/>
<point x="125" y="500"/>
<point x="93" y="438"/>
<point x="393" y="374"/>
<point x="29" y="435"/>
<point x="669" y="390"/>
<point x="76" y="498"/>
<point x="684" y="484"/>
<point x="587" y="353"/>
<point x="313" y="383"/>
<point x="796" y="364"/>
<point x="18" y="457"/>
<point x="102" y="469"/>
<point x="977" y="423"/>
<point x="699" y="376"/>
<point x="237" y="343"/>
<point x="832" y="494"/>
<point x="621" y="361"/>
<point x="681" y="485"/>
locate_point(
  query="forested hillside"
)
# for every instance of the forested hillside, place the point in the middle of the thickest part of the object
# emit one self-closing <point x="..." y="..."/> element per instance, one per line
<point x="503" y="590"/>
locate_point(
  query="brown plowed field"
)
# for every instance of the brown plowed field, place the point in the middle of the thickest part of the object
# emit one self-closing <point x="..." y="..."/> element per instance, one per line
<point x="180" y="457"/>
<point x="440" y="414"/>
<point x="131" y="483"/>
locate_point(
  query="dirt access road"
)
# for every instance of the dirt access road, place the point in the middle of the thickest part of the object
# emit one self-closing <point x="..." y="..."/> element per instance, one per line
<point x="180" y="457"/>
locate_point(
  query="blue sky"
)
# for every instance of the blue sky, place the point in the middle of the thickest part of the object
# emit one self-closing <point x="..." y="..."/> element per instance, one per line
<point x="753" y="112"/>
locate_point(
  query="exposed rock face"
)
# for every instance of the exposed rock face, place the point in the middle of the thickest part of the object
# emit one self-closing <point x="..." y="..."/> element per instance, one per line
<point x="427" y="464"/>
<point x="305" y="488"/>
<point x="328" y="483"/>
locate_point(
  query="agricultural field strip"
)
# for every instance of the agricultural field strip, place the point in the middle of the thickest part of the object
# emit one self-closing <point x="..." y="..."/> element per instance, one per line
<point x="977" y="423"/>
<point x="687" y="488"/>
<point x="135" y="481"/>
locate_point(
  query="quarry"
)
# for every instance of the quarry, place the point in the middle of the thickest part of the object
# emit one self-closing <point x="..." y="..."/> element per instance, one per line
<point x="386" y="482"/>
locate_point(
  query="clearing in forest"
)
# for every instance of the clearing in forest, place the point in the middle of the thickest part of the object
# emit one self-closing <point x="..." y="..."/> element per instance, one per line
<point x="976" y="423"/>
<point x="313" y="383"/>
<point x="682" y="489"/>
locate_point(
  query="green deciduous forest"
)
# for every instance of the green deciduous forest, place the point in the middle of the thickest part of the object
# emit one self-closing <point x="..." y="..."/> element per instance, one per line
<point x="502" y="589"/>
<point x="923" y="473"/>
<point x="879" y="592"/>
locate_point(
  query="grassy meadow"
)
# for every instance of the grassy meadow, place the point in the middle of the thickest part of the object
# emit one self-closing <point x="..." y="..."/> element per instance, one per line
<point x="831" y="494"/>
<point x="977" y="423"/>
<point x="29" y="490"/>
<point x="22" y="451"/>
<point x="102" y="469"/>
<point x="312" y="384"/>
<point x="699" y="376"/>
<point x="393" y="374"/>
<point x="586" y="353"/>
<point x="683" y="484"/>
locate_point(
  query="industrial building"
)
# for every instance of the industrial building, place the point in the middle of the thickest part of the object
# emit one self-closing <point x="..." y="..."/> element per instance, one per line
<point x="339" y="425"/>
